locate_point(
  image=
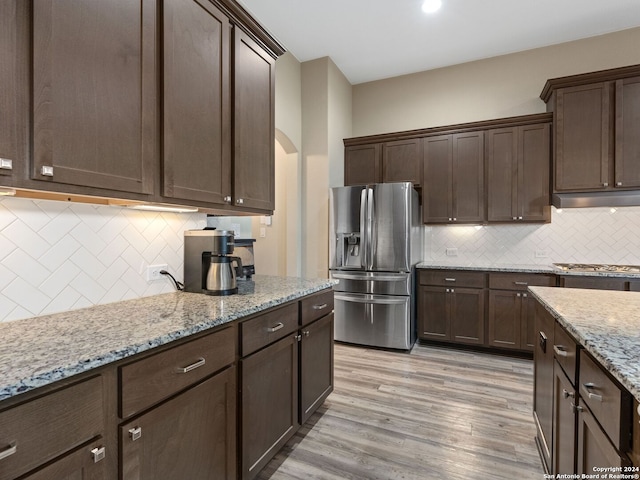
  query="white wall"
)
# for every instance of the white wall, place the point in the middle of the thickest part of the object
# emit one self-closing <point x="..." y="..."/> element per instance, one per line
<point x="57" y="256"/>
<point x="493" y="88"/>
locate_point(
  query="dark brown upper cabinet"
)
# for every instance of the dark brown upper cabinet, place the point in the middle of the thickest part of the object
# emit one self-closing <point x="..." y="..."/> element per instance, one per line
<point x="253" y="124"/>
<point x="453" y="184"/>
<point x="8" y="65"/>
<point x="402" y="161"/>
<point x="362" y="164"/>
<point x="196" y="102"/>
<point x="518" y="163"/>
<point x="94" y="94"/>
<point x="594" y="117"/>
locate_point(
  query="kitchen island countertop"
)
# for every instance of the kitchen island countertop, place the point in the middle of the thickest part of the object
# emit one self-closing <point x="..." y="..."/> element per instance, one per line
<point x="606" y="323"/>
<point x="37" y="351"/>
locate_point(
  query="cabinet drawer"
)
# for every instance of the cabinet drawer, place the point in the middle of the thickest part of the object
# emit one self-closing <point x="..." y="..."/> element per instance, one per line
<point x="565" y="351"/>
<point x="453" y="278"/>
<point x="315" y="306"/>
<point x="594" y="283"/>
<point x="609" y="403"/>
<point x="47" y="427"/>
<point x="519" y="281"/>
<point x="147" y="381"/>
<point x="267" y="328"/>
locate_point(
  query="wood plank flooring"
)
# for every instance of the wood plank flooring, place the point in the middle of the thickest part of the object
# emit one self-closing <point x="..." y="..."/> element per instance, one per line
<point x="436" y="413"/>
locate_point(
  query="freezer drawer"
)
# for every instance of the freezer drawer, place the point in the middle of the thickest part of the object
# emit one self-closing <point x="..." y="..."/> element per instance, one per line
<point x="374" y="320"/>
<point x="378" y="283"/>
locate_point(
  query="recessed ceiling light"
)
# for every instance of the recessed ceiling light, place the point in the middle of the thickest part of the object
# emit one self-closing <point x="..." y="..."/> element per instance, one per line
<point x="431" y="6"/>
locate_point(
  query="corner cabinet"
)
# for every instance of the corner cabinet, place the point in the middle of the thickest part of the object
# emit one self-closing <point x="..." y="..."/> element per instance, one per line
<point x="362" y="164"/>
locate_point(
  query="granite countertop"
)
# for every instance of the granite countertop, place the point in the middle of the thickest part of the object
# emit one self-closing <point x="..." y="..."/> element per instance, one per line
<point x="518" y="268"/>
<point x="606" y="323"/>
<point x="38" y="351"/>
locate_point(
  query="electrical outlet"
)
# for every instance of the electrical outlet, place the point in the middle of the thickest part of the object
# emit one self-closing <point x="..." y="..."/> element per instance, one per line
<point x="452" y="252"/>
<point x="541" y="254"/>
<point x="153" y="272"/>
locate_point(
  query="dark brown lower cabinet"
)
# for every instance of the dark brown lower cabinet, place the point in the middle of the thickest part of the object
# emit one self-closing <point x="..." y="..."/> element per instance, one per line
<point x="269" y="404"/>
<point x="564" y="432"/>
<point x="316" y="365"/>
<point x="79" y="465"/>
<point x="451" y="314"/>
<point x="543" y="379"/>
<point x="594" y="448"/>
<point x="511" y="320"/>
<point x="189" y="436"/>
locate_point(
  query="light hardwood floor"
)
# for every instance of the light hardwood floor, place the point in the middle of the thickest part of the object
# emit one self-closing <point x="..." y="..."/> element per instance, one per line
<point x="436" y="413"/>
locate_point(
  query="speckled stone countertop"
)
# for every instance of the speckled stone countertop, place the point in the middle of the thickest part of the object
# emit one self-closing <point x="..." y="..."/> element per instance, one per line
<point x="38" y="351"/>
<point x="606" y="323"/>
<point x="519" y="268"/>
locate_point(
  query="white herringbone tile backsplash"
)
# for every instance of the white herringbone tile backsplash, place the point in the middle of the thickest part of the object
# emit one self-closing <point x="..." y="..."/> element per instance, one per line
<point x="579" y="235"/>
<point x="57" y="256"/>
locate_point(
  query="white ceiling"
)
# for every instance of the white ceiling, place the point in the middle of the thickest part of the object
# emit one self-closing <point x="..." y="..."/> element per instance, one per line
<point x="374" y="39"/>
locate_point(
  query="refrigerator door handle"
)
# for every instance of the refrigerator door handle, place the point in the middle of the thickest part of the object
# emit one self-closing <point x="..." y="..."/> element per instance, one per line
<point x="378" y="278"/>
<point x="371" y="226"/>
<point x="371" y="299"/>
<point x="363" y="227"/>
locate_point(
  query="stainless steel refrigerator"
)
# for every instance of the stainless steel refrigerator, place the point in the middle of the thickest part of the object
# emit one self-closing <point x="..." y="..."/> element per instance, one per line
<point x="375" y="243"/>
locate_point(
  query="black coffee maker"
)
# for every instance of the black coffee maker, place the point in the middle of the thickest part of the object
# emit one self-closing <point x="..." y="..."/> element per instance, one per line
<point x="209" y="266"/>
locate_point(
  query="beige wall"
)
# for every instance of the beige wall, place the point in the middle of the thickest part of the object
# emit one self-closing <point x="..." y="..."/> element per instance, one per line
<point x="493" y="88"/>
<point x="340" y="122"/>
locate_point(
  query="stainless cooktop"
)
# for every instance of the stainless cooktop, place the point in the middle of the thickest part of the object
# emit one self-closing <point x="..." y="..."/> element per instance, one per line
<point x="595" y="267"/>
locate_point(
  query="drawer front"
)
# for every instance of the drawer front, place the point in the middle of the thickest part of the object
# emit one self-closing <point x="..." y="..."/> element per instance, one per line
<point x="42" y="429"/>
<point x="453" y="278"/>
<point x="147" y="381"/>
<point x="594" y="283"/>
<point x="610" y="404"/>
<point x="519" y="281"/>
<point x="634" y="285"/>
<point x="267" y="328"/>
<point x="565" y="351"/>
<point x="315" y="306"/>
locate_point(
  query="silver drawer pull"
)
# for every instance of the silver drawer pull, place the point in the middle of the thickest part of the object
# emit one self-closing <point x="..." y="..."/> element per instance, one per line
<point x="521" y="283"/>
<point x="10" y="450"/>
<point x="275" y="328"/>
<point x="560" y="351"/>
<point x="566" y="393"/>
<point x="46" y="171"/>
<point x="98" y="454"/>
<point x="320" y="307"/>
<point x="594" y="396"/>
<point x="449" y="279"/>
<point x="6" y="164"/>
<point x="193" y="366"/>
<point x="135" y="433"/>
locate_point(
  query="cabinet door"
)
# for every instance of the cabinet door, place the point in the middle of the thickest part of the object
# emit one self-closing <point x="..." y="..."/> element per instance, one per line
<point x="467" y="315"/>
<point x="79" y="465"/>
<point x="269" y="404"/>
<point x="504" y="322"/>
<point x="362" y="164"/>
<point x="543" y="382"/>
<point x="316" y="365"/>
<point x="9" y="97"/>
<point x="534" y="166"/>
<point x="627" y="163"/>
<point x="402" y="161"/>
<point x="527" y="323"/>
<point x="468" y="177"/>
<point x="433" y="313"/>
<point x="196" y="102"/>
<point x="502" y="175"/>
<point x="253" y="122"/>
<point x="190" y="436"/>
<point x="564" y="431"/>
<point x="594" y="448"/>
<point x="582" y="138"/>
<point x="437" y="191"/>
<point x="598" y="283"/>
<point x="94" y="94"/>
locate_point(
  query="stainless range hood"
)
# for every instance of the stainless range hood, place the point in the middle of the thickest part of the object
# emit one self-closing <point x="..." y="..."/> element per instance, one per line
<point x="630" y="198"/>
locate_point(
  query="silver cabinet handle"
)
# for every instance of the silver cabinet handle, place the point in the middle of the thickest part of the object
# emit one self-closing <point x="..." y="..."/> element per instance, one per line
<point x="618" y="184"/>
<point x="519" y="218"/>
<point x="10" y="450"/>
<point x="240" y="201"/>
<point x="587" y="388"/>
<point x="560" y="351"/>
<point x="455" y="219"/>
<point x="98" y="454"/>
<point x="605" y="184"/>
<point x="6" y="164"/>
<point x="576" y="408"/>
<point x="193" y="366"/>
<point x="521" y="283"/>
<point x="515" y="218"/>
<point x="567" y="394"/>
<point x="306" y="333"/>
<point x="227" y="199"/>
<point x="320" y="306"/>
<point x="135" y="433"/>
<point x="449" y="279"/>
<point x="46" y="171"/>
<point x="518" y="295"/>
<point x="275" y="328"/>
